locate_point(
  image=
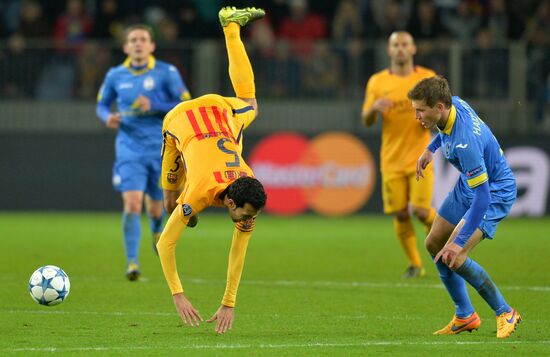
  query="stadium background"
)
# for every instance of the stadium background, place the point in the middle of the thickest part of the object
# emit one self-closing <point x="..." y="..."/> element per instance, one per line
<point x="311" y="60"/>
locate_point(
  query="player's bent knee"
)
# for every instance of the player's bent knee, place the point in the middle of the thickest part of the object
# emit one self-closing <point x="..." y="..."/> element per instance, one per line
<point x="132" y="207"/>
<point x="421" y="213"/>
<point x="402" y="215"/>
<point x="433" y="245"/>
<point x="155" y="211"/>
<point x="170" y="206"/>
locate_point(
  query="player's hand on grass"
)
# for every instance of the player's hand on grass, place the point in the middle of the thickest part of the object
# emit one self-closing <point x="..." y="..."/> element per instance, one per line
<point x="187" y="312"/>
<point x="113" y="121"/>
<point x="426" y="157"/>
<point x="143" y="103"/>
<point x="224" y="318"/>
<point x="448" y="255"/>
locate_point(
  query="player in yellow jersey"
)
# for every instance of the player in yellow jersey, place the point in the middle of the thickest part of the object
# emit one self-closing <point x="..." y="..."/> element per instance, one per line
<point x="403" y="140"/>
<point x="202" y="166"/>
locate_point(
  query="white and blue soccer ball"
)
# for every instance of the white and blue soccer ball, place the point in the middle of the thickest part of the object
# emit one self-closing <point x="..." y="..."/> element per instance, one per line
<point x="49" y="285"/>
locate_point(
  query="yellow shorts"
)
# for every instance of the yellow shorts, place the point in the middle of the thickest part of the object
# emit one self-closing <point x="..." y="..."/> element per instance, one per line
<point x="400" y="189"/>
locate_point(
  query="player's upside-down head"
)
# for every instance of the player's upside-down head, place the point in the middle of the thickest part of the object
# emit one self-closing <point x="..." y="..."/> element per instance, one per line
<point x="245" y="198"/>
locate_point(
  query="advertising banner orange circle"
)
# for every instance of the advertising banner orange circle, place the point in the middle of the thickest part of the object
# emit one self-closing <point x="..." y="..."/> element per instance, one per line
<point x="332" y="174"/>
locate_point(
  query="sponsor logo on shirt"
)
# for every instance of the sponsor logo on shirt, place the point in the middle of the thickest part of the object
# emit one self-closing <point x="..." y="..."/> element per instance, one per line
<point x="125" y="86"/>
<point x="461" y="146"/>
<point x="149" y="83"/>
<point x="475" y="171"/>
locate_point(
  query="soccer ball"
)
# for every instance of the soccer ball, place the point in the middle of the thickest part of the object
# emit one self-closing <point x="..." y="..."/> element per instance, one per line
<point x="49" y="285"/>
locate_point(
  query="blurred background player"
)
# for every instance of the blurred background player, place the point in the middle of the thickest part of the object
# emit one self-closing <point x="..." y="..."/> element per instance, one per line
<point x="403" y="141"/>
<point x="202" y="166"/>
<point x="145" y="89"/>
<point x="481" y="198"/>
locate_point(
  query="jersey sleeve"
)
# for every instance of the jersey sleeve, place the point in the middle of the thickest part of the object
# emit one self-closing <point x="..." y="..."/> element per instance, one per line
<point x="237" y="253"/>
<point x="166" y="246"/>
<point x="244" y="114"/>
<point x="177" y="88"/>
<point x="470" y="155"/>
<point x="173" y="166"/>
<point x="370" y="93"/>
<point x="107" y="93"/>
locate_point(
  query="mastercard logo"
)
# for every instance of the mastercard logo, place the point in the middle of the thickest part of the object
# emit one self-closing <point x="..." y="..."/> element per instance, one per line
<point x="332" y="174"/>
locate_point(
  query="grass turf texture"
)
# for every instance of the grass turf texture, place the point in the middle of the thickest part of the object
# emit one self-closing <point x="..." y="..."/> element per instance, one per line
<point x="311" y="286"/>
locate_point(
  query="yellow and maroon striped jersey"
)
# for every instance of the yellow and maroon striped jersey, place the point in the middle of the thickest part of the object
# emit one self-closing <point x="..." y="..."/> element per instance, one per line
<point x="202" y="148"/>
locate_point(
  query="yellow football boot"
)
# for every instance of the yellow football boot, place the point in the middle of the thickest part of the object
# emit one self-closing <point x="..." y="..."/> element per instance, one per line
<point x="458" y="325"/>
<point x="507" y="323"/>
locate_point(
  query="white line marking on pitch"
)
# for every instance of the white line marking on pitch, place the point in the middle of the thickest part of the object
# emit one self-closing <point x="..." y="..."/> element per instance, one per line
<point x="276" y="346"/>
<point x="359" y="284"/>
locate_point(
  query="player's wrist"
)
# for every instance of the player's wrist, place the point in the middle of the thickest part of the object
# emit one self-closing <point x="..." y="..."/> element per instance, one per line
<point x="460" y="240"/>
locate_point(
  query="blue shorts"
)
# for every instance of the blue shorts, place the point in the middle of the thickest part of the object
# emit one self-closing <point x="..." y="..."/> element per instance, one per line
<point x="456" y="206"/>
<point x="142" y="175"/>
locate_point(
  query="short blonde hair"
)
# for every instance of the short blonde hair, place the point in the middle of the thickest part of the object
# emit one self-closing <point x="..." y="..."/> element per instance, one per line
<point x="432" y="90"/>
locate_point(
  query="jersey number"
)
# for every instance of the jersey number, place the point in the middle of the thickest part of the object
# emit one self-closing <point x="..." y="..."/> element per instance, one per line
<point x="225" y="150"/>
<point x="177" y="162"/>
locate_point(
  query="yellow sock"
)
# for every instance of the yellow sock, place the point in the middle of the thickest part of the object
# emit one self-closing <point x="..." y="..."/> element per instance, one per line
<point x="429" y="220"/>
<point x="240" y="69"/>
<point x="407" y="238"/>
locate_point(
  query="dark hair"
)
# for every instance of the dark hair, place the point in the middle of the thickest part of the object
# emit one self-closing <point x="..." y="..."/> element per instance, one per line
<point x="247" y="190"/>
<point x="432" y="90"/>
<point x="138" y="27"/>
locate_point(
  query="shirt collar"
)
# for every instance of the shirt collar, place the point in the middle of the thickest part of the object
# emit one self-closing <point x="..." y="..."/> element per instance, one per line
<point x="450" y="122"/>
<point x="150" y="65"/>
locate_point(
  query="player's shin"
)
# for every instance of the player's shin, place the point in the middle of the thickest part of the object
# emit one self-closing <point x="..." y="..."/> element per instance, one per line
<point x="131" y="227"/>
<point x="456" y="287"/>
<point x="240" y="69"/>
<point x="476" y="276"/>
<point x="405" y="233"/>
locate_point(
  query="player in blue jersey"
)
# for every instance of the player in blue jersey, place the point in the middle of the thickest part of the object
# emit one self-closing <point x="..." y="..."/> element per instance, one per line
<point x="145" y="89"/>
<point x="481" y="198"/>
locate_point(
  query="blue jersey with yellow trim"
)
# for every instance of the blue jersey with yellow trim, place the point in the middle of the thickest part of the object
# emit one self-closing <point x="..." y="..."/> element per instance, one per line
<point x="470" y="146"/>
<point x="140" y="133"/>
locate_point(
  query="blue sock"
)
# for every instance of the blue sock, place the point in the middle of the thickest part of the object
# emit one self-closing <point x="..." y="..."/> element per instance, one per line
<point x="456" y="286"/>
<point x="476" y="276"/>
<point x="156" y="223"/>
<point x="131" y="228"/>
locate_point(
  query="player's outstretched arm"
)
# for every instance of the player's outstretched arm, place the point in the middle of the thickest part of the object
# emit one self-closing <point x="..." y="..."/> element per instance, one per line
<point x="224" y="319"/>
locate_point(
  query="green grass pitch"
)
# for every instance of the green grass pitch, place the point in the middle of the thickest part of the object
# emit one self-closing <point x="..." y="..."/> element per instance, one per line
<point x="311" y="286"/>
